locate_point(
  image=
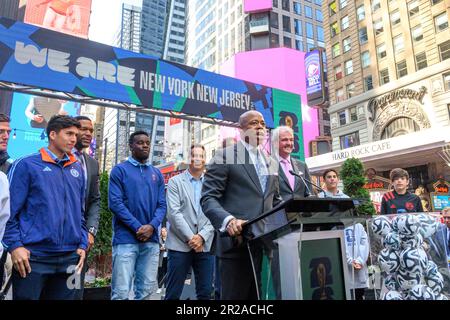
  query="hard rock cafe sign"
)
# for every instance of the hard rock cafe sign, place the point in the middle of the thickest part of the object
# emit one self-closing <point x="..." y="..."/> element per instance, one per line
<point x="377" y="187"/>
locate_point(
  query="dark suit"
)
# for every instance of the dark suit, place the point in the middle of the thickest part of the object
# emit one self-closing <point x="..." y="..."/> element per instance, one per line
<point x="299" y="187"/>
<point x="92" y="206"/>
<point x="232" y="187"/>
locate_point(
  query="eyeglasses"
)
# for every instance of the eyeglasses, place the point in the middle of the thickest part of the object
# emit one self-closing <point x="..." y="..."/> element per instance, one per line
<point x="5" y="131"/>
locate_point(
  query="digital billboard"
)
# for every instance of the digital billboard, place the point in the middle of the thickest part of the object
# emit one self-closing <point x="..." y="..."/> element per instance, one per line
<point x="253" y="6"/>
<point x="66" y="16"/>
<point x="42" y="58"/>
<point x="315" y="78"/>
<point x="29" y="117"/>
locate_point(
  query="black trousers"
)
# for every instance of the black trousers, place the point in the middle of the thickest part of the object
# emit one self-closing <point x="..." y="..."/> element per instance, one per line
<point x="237" y="277"/>
<point x="2" y="267"/>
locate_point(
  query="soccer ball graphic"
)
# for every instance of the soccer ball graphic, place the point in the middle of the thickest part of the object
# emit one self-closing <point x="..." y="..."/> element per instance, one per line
<point x="393" y="295"/>
<point x="431" y="269"/>
<point x="414" y="242"/>
<point x="414" y="260"/>
<point x="408" y="225"/>
<point x="392" y="240"/>
<point x="421" y="292"/>
<point x="391" y="283"/>
<point x="441" y="297"/>
<point x="407" y="280"/>
<point x="428" y="225"/>
<point x="394" y="223"/>
<point x="435" y="281"/>
<point x="388" y="260"/>
<point x="381" y="225"/>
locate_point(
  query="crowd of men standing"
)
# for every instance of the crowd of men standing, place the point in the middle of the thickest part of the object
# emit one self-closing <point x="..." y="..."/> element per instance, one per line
<point x="49" y="212"/>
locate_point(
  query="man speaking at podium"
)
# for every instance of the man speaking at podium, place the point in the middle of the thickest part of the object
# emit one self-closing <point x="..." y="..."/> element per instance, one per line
<point x="240" y="184"/>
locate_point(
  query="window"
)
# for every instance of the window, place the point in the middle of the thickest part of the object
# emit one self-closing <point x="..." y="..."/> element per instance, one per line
<point x="342" y="118"/>
<point x="285" y="4"/>
<point x="273" y="20"/>
<point x="362" y="34"/>
<point x="360" y="13"/>
<point x="275" y="3"/>
<point x="381" y="51"/>
<point x="309" y="30"/>
<point x="349" y="140"/>
<point x="319" y="16"/>
<point x="399" y="44"/>
<point x="421" y="61"/>
<point x="350" y="93"/>
<point x="320" y="35"/>
<point x="298" y="8"/>
<point x="332" y="8"/>
<point x="308" y="12"/>
<point x="417" y="33"/>
<point x="378" y="27"/>
<point x="274" y="40"/>
<point x="334" y="29"/>
<point x="344" y="22"/>
<point x="376" y="5"/>
<point x="347" y="44"/>
<point x="368" y="83"/>
<point x="353" y="112"/>
<point x="433" y="2"/>
<point x="342" y="3"/>
<point x="336" y="50"/>
<point x="286" y="24"/>
<point x="444" y="50"/>
<point x="365" y="59"/>
<point x="299" y="45"/>
<point x="337" y="72"/>
<point x="348" y="67"/>
<point x="310" y="44"/>
<point x="384" y="76"/>
<point x="318" y="2"/>
<point x="340" y="96"/>
<point x="413" y="8"/>
<point x="395" y="17"/>
<point x="298" y="27"/>
<point x="441" y="22"/>
<point x="287" y="42"/>
<point x="402" y="69"/>
<point x="446" y="77"/>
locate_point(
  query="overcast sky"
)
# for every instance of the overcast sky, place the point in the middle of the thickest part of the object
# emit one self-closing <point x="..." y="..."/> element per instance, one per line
<point x="106" y="18"/>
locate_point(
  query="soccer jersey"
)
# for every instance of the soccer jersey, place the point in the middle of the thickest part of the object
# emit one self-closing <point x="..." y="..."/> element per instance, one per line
<point x="393" y="203"/>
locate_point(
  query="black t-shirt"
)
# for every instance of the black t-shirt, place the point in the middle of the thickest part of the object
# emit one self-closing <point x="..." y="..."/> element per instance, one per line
<point x="393" y="203"/>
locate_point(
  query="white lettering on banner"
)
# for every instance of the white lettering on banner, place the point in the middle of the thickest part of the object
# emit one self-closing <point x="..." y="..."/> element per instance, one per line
<point x="361" y="151"/>
<point x="105" y="71"/>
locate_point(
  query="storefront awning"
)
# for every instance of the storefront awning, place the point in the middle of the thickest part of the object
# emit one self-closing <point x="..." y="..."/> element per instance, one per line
<point x="414" y="149"/>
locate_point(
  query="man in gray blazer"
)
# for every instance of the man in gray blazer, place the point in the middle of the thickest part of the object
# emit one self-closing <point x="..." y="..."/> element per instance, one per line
<point x="290" y="185"/>
<point x="240" y="184"/>
<point x="91" y="175"/>
<point x="190" y="233"/>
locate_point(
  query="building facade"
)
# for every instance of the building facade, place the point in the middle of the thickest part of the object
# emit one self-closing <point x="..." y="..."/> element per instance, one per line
<point x="389" y="84"/>
<point x="217" y="30"/>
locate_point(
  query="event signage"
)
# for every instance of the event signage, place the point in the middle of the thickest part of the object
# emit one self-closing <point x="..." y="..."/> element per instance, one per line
<point x="46" y="59"/>
<point x="315" y="80"/>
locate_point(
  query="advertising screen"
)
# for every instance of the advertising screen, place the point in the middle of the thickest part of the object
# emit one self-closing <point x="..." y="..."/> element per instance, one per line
<point x="315" y="87"/>
<point x="66" y="16"/>
<point x="29" y="117"/>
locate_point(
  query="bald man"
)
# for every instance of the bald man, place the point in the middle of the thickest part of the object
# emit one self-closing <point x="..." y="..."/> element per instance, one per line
<point x="239" y="185"/>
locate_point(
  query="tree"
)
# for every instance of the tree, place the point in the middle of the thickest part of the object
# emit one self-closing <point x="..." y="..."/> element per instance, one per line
<point x="100" y="254"/>
<point x="352" y="175"/>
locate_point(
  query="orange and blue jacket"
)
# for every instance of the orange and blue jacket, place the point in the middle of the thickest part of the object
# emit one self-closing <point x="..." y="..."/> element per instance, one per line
<point x="47" y="205"/>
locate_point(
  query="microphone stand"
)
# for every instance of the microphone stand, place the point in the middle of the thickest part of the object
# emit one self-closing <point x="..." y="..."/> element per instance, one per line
<point x="304" y="180"/>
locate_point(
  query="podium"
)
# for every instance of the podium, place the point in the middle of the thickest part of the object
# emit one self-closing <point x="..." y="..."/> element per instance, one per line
<point x="301" y="253"/>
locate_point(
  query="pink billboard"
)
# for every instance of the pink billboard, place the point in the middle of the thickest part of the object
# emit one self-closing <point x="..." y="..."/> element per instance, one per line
<point x="253" y="6"/>
<point x="281" y="68"/>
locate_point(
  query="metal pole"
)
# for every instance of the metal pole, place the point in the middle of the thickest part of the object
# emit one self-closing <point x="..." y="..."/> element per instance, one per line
<point x="105" y="148"/>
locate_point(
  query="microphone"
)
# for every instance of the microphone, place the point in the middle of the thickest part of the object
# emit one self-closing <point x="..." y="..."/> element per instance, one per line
<point x="300" y="175"/>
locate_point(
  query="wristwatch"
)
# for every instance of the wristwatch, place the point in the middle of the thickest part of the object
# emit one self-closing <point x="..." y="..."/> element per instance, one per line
<point x="93" y="231"/>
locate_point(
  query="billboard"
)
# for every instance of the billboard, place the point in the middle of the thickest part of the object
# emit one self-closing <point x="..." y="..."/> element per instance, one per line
<point x="42" y="58"/>
<point x="66" y="16"/>
<point x="315" y="78"/>
<point x="29" y="116"/>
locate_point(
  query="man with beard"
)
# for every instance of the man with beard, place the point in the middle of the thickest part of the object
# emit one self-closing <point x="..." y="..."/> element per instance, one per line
<point x="90" y="168"/>
<point x="239" y="185"/>
<point x="138" y="202"/>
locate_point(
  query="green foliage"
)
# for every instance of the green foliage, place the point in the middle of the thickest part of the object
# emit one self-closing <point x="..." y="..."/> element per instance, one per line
<point x="99" y="283"/>
<point x="352" y="175"/>
<point x="103" y="239"/>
